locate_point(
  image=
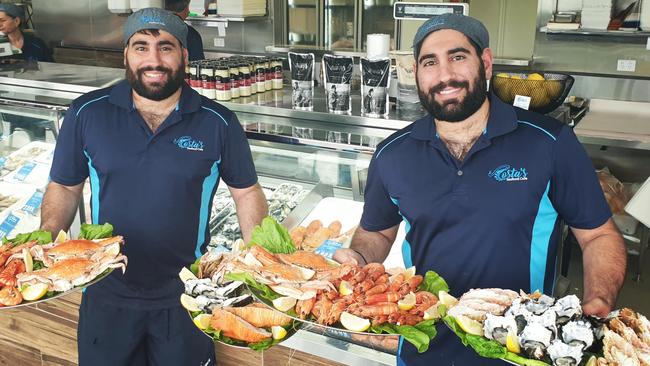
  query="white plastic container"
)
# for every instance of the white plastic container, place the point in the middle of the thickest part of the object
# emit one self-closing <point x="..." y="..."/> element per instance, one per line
<point x="141" y="4"/>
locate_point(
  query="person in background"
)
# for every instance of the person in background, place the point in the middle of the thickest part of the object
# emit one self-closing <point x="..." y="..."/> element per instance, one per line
<point x="482" y="187"/>
<point x="154" y="151"/>
<point x="194" y="41"/>
<point x="32" y="48"/>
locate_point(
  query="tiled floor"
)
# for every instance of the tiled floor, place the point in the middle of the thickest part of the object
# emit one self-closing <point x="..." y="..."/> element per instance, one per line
<point x="635" y="295"/>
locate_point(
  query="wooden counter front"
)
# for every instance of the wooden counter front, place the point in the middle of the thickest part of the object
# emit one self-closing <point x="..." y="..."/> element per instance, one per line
<point x="45" y="334"/>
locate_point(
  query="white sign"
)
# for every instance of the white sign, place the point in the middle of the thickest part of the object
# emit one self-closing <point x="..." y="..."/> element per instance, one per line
<point x="521" y="101"/>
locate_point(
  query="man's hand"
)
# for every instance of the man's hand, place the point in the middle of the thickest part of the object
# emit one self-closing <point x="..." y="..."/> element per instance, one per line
<point x="347" y="255"/>
<point x="596" y="306"/>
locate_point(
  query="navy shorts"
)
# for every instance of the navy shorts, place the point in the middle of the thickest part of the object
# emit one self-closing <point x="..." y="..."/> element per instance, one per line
<point x="113" y="336"/>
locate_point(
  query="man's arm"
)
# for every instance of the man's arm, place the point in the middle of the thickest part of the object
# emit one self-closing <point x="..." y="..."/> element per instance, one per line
<point x="367" y="246"/>
<point x="60" y="204"/>
<point x="251" y="208"/>
<point x="604" y="260"/>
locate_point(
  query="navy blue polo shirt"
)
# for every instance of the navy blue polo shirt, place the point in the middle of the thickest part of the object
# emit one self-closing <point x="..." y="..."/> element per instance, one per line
<point x="491" y="220"/>
<point x="155" y="188"/>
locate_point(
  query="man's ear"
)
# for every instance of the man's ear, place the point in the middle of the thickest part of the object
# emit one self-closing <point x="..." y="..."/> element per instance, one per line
<point x="125" y="48"/>
<point x="486" y="56"/>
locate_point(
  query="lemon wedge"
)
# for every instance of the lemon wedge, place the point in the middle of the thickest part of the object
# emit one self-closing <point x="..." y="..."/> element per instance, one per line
<point x="407" y="303"/>
<point x="185" y="275"/>
<point x="61" y="237"/>
<point x="284" y="303"/>
<point x="202" y="321"/>
<point x="432" y="313"/>
<point x="409" y="273"/>
<point x="469" y="326"/>
<point x="278" y="332"/>
<point x="446" y="299"/>
<point x="34" y="292"/>
<point x="29" y="261"/>
<point x="353" y="322"/>
<point x="345" y="288"/>
<point x="512" y="343"/>
<point x="593" y="361"/>
<point x="189" y="303"/>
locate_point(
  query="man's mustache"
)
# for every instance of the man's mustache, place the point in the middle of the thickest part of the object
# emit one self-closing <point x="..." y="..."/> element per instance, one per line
<point x="152" y="68"/>
<point x="453" y="84"/>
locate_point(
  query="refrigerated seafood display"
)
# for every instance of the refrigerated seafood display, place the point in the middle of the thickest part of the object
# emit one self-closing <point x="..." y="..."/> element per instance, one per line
<point x="224" y="224"/>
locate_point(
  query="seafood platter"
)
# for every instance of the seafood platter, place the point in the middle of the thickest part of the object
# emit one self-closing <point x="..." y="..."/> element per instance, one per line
<point x="306" y="287"/>
<point x="33" y="268"/>
<point x="535" y="329"/>
<point x="224" y="224"/>
<point x="225" y="310"/>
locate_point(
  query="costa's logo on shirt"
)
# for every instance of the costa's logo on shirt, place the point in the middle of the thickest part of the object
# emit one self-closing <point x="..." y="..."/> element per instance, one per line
<point x="188" y="143"/>
<point x="506" y="173"/>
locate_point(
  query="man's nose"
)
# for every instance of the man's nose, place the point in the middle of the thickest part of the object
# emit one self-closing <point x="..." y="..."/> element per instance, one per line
<point x="445" y="71"/>
<point x="154" y="57"/>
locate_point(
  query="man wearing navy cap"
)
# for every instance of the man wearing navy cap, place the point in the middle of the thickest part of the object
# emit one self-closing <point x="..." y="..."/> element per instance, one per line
<point x="482" y="187"/>
<point x="154" y="151"/>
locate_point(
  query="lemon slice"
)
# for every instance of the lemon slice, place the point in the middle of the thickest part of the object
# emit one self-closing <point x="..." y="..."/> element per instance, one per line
<point x="432" y="313"/>
<point x="29" y="261"/>
<point x="278" y="332"/>
<point x="353" y="322"/>
<point x="34" y="292"/>
<point x="512" y="343"/>
<point x="185" y="275"/>
<point x="407" y="303"/>
<point x="61" y="237"/>
<point x="284" y="303"/>
<point x="470" y="326"/>
<point x="446" y="299"/>
<point x="189" y="303"/>
<point x="202" y="321"/>
<point x="345" y="288"/>
<point x="593" y="361"/>
<point x="409" y="273"/>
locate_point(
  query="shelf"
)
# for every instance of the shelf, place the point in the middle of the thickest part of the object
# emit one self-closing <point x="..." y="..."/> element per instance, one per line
<point x="214" y="21"/>
<point x="595" y="32"/>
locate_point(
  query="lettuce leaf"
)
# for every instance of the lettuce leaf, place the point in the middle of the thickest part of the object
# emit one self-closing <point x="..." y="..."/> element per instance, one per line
<point x="488" y="348"/>
<point x="419" y="335"/>
<point x="262" y="290"/>
<point x="273" y="237"/>
<point x="41" y="236"/>
<point x="90" y="231"/>
<point x="194" y="267"/>
<point x="433" y="283"/>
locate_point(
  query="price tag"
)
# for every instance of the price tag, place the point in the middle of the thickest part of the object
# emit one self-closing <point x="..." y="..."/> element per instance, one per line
<point x="521" y="101"/>
<point x="328" y="248"/>
<point x="34" y="203"/>
<point x="24" y="171"/>
<point x="8" y="225"/>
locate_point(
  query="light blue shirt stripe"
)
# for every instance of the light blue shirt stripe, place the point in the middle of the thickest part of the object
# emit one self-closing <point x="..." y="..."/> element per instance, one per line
<point x="213" y="111"/>
<point x="542" y="230"/>
<point x="90" y="101"/>
<point x="204" y="215"/>
<point x="406" y="246"/>
<point x="393" y="140"/>
<point x="94" y="189"/>
<point x="539" y="128"/>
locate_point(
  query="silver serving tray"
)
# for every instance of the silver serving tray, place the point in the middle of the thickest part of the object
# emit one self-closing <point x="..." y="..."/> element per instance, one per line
<point x="60" y="294"/>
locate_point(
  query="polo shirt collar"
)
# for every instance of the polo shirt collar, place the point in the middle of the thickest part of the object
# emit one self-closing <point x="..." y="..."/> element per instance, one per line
<point x="120" y="95"/>
<point x="502" y="120"/>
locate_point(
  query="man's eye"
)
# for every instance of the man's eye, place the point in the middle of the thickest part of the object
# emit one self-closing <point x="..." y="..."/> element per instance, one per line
<point x="458" y="57"/>
<point x="429" y="62"/>
<point x="140" y="48"/>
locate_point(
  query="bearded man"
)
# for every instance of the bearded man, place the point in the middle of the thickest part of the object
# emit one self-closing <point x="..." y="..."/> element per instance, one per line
<point x="482" y="187"/>
<point x="154" y="151"/>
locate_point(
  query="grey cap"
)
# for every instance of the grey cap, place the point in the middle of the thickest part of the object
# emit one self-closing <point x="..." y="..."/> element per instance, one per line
<point x="155" y="18"/>
<point x="470" y="27"/>
<point x="13" y="10"/>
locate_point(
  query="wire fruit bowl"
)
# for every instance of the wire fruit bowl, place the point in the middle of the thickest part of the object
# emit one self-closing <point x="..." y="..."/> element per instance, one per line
<point x="547" y="91"/>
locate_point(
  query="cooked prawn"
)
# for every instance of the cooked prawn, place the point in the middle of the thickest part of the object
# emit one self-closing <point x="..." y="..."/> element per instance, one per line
<point x="10" y="296"/>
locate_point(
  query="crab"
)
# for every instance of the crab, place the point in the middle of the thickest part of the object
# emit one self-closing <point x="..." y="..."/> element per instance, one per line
<point x="68" y="273"/>
<point x="305" y="259"/>
<point x="80" y="248"/>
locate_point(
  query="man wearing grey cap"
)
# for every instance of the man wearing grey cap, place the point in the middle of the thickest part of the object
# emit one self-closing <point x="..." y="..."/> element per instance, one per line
<point x="482" y="187"/>
<point x="154" y="151"/>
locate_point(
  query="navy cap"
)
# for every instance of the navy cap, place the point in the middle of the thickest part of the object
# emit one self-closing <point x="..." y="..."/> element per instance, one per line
<point x="470" y="27"/>
<point x="155" y="18"/>
<point x="13" y="10"/>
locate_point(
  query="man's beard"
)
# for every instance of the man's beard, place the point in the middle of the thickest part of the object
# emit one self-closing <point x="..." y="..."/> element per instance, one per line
<point x="454" y="110"/>
<point x="156" y="91"/>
